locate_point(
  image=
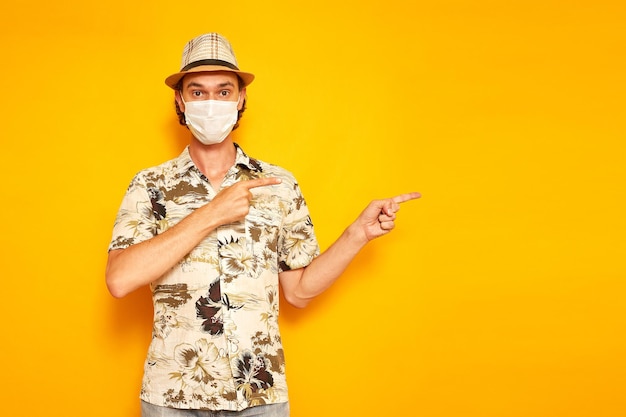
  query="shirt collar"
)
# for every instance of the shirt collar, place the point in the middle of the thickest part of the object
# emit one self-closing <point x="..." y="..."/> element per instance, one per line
<point x="184" y="163"/>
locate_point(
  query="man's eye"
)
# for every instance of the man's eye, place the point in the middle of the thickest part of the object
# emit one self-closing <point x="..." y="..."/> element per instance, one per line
<point x="196" y="93"/>
<point x="224" y="93"/>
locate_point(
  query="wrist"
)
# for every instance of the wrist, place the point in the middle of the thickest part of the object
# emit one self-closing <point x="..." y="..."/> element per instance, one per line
<point x="206" y="219"/>
<point x="356" y="235"/>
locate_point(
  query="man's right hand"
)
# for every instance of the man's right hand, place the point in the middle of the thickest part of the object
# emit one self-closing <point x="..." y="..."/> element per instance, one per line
<point x="233" y="203"/>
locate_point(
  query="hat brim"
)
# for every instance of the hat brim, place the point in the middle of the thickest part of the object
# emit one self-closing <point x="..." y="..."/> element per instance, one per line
<point x="173" y="79"/>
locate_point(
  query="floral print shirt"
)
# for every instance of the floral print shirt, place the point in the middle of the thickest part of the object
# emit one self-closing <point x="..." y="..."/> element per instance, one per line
<point x="215" y="341"/>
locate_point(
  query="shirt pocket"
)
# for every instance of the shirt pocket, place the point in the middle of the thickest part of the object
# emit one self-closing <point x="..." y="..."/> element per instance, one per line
<point x="262" y="228"/>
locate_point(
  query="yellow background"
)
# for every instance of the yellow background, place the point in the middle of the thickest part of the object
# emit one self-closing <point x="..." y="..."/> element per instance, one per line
<point x="501" y="292"/>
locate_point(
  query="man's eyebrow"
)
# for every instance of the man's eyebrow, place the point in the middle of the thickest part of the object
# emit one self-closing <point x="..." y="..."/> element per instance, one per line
<point x="195" y="84"/>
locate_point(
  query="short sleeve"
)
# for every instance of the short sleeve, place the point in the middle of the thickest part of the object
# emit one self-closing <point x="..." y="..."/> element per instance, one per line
<point x="135" y="221"/>
<point x="297" y="245"/>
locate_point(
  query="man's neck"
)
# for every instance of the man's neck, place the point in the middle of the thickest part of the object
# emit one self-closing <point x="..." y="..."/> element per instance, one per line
<point x="213" y="161"/>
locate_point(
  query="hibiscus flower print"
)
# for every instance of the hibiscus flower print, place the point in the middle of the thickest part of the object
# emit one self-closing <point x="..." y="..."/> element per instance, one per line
<point x="237" y="259"/>
<point x="165" y="320"/>
<point x="209" y="309"/>
<point x="252" y="374"/>
<point x="298" y="244"/>
<point x="201" y="365"/>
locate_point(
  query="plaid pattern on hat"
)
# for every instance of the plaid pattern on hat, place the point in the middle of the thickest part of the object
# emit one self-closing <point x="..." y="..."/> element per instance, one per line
<point x="209" y="46"/>
<point x="205" y="53"/>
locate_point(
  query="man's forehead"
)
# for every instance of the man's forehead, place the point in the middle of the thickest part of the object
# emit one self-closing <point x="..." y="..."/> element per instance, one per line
<point x="212" y="78"/>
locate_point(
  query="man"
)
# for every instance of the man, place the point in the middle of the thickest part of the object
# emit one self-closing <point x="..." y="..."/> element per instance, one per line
<point x="214" y="232"/>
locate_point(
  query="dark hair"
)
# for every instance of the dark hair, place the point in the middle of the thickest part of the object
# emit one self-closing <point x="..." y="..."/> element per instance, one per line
<point x="181" y="115"/>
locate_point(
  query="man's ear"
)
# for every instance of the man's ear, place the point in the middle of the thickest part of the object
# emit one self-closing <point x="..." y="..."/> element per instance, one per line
<point x="179" y="100"/>
<point x="242" y="98"/>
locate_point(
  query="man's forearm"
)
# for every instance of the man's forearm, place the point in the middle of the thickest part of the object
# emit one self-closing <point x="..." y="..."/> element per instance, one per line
<point x="140" y="264"/>
<point x="324" y="270"/>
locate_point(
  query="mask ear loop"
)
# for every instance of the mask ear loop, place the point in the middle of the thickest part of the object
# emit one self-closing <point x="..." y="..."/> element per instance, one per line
<point x="180" y="94"/>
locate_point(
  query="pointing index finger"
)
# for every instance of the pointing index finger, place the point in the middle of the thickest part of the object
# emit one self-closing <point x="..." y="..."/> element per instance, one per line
<point x="261" y="182"/>
<point x="402" y="198"/>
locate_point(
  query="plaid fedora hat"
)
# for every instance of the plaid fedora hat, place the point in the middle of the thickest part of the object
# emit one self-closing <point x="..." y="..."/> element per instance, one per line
<point x="208" y="52"/>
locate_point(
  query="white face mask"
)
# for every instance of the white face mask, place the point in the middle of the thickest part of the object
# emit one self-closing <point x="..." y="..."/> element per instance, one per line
<point x="210" y="121"/>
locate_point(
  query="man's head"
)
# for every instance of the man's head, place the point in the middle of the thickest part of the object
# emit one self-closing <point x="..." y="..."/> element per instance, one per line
<point x="209" y="54"/>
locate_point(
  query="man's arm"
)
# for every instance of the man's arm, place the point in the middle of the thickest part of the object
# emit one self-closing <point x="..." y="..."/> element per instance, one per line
<point x="140" y="264"/>
<point x="300" y="286"/>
